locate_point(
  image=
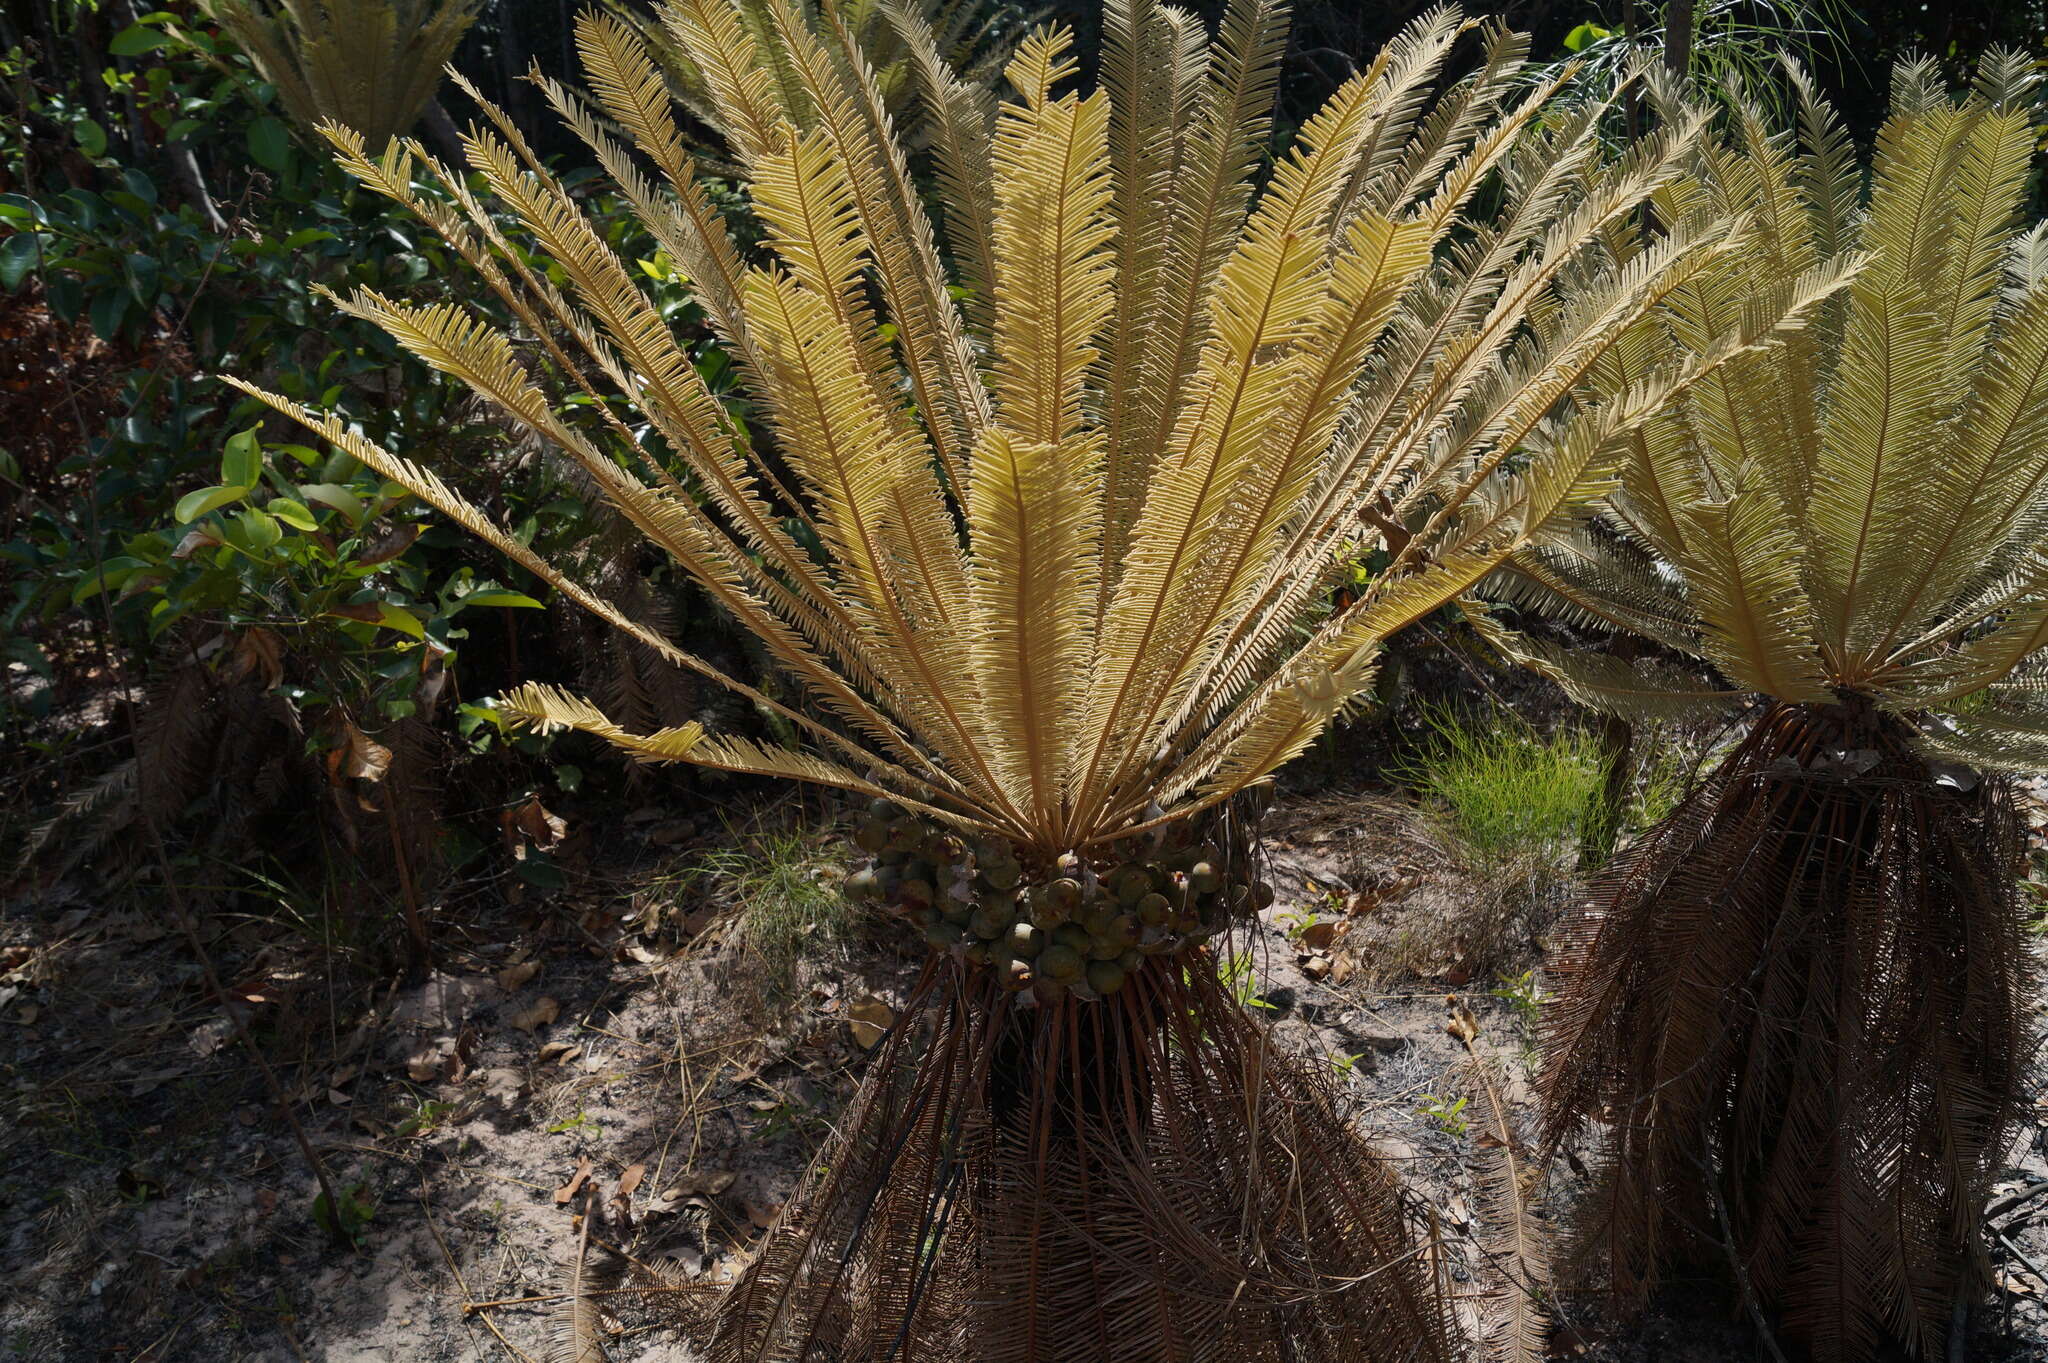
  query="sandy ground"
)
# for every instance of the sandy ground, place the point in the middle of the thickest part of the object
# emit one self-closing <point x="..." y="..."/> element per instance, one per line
<point x="154" y="1209"/>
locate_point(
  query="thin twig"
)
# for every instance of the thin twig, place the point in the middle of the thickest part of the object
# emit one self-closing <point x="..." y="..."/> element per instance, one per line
<point x="2021" y="1255"/>
<point x="1749" y="1298"/>
<point x="2001" y="1206"/>
<point x="462" y="1286"/>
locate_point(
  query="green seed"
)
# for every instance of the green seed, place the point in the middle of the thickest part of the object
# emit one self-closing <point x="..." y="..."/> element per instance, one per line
<point x="1123" y="930"/>
<point x="1061" y="963"/>
<point x="1002" y="875"/>
<point x="1205" y="878"/>
<point x="1074" y="937"/>
<point x="1154" y="910"/>
<point x="941" y="935"/>
<point x="861" y="886"/>
<point x="1105" y="977"/>
<point x="1027" y="941"/>
<point x="1131" y="960"/>
<point x="872" y="835"/>
<point x="988" y="924"/>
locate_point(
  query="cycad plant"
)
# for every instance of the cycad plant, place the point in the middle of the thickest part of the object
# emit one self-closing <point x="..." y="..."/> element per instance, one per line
<point x="1792" y="1013"/>
<point x="368" y="65"/>
<point x="1049" y="569"/>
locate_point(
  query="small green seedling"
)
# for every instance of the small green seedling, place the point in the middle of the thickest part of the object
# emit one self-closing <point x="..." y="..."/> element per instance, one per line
<point x="1449" y="1117"/>
<point x="431" y="1113"/>
<point x="579" y="1122"/>
<point x="1241" y="978"/>
<point x="353" y="1221"/>
<point x="1525" y="996"/>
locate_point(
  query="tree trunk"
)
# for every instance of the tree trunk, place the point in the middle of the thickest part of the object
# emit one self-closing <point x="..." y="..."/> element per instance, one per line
<point x="1678" y="37"/>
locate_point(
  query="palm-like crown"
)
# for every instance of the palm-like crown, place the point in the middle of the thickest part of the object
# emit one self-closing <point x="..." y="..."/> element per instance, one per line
<point x="1043" y="562"/>
<point x="1861" y="513"/>
<point x="368" y="65"/>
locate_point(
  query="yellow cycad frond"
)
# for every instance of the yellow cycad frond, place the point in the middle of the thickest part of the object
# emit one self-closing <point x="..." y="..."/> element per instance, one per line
<point x="1743" y="567"/>
<point x="546" y="709"/>
<point x="1035" y="519"/>
<point x="1054" y="285"/>
<point x="737" y="74"/>
<point x="1858" y="512"/>
<point x="1072" y="576"/>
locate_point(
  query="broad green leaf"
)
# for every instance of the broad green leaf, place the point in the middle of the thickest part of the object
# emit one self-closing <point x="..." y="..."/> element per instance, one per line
<point x="293" y="513"/>
<point x="19" y="254"/>
<point x="261" y="531"/>
<point x="270" y="142"/>
<point x="109" y="306"/>
<point x="400" y="619"/>
<point x="193" y="505"/>
<point x="336" y="496"/>
<point x="241" y="462"/>
<point x="92" y="138"/>
<point x="1584" y="36"/>
<point x="135" y="40"/>
<point x="498" y="596"/>
<point x="142" y="273"/>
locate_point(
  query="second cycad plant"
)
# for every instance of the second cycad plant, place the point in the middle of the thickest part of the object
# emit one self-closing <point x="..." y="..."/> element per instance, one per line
<point x="1050" y="569"/>
<point x="1794" y="1013"/>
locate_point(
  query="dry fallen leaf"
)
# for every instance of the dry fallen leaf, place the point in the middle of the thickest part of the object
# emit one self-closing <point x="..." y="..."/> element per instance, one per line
<point x="762" y="1216"/>
<point x="1460" y="1022"/>
<point x="700" y="1183"/>
<point x="545" y="1010"/>
<point x="622" y="1200"/>
<point x="869" y="1018"/>
<point x="1318" y="936"/>
<point x="517" y="974"/>
<point x="531" y="822"/>
<point x="576" y="1181"/>
<point x="559" y="1052"/>
<point x="364" y="757"/>
<point x="424" y="1066"/>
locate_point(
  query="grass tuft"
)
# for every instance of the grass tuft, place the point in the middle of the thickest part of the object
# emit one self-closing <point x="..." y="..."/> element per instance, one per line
<point x="1512" y="798"/>
<point x="785" y="882"/>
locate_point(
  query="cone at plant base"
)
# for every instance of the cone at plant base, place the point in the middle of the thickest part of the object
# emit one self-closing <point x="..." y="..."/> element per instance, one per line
<point x="1792" y="1013"/>
<point x="1048" y="574"/>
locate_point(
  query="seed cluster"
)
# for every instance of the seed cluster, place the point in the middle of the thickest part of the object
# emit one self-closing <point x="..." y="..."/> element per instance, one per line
<point x="1069" y="926"/>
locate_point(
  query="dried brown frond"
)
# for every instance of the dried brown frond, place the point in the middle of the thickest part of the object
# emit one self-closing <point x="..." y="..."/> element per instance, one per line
<point x="1142" y="1180"/>
<point x="1801" y="997"/>
<point x="1515" y="1318"/>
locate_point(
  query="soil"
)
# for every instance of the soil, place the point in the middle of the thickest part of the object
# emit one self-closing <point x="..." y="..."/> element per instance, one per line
<point x="155" y="1208"/>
